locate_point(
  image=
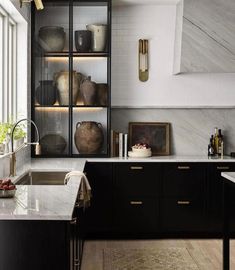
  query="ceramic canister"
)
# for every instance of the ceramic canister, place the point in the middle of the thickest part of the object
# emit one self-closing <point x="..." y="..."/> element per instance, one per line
<point x="83" y="40"/>
<point x="99" y="36"/>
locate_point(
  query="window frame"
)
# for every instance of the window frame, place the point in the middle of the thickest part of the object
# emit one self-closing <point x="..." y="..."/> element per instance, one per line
<point x="8" y="70"/>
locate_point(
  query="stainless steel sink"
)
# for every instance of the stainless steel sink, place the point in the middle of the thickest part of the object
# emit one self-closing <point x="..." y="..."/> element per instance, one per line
<point x="42" y="178"/>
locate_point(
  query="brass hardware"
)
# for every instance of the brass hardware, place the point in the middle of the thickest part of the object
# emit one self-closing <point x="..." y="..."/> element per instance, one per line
<point x="38" y="3"/>
<point x="183" y="202"/>
<point x="223" y="168"/>
<point x="183" y="167"/>
<point x="137" y="168"/>
<point x="136" y="202"/>
<point x="143" y="60"/>
<point x="73" y="221"/>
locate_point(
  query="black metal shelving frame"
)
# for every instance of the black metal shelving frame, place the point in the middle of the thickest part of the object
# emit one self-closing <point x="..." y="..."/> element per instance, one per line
<point x="71" y="55"/>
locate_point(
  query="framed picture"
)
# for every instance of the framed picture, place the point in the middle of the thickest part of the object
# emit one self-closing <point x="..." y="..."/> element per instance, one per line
<point x="155" y="134"/>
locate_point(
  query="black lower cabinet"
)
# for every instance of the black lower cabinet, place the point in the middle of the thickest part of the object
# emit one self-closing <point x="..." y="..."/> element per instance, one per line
<point x="156" y="198"/>
<point x="98" y="218"/>
<point x="215" y="197"/>
<point x="27" y="245"/>
<point x="136" y="214"/>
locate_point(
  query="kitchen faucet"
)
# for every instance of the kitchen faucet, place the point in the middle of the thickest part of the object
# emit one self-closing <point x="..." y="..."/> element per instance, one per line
<point x="13" y="153"/>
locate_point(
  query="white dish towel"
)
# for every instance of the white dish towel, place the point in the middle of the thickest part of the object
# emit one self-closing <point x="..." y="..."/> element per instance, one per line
<point x="84" y="193"/>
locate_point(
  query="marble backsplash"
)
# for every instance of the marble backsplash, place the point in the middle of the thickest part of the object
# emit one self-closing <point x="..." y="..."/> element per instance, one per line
<point x="190" y="128"/>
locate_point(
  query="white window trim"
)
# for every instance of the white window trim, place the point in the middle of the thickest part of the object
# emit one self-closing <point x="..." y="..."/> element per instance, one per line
<point x="13" y="104"/>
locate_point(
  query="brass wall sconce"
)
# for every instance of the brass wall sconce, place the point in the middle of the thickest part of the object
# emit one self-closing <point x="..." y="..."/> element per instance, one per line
<point x="38" y="3"/>
<point x="143" y="60"/>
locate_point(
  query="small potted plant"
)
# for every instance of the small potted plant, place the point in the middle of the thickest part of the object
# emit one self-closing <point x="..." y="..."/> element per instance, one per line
<point x="5" y="130"/>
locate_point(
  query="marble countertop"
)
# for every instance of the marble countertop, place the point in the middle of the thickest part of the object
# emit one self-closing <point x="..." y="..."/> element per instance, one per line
<point x="38" y="202"/>
<point x="57" y="202"/>
<point x="173" y="158"/>
<point x="229" y="175"/>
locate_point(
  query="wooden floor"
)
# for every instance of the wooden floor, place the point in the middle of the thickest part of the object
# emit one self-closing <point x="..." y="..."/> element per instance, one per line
<point x="206" y="253"/>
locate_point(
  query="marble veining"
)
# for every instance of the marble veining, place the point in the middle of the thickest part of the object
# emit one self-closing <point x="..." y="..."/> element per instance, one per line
<point x="208" y="36"/>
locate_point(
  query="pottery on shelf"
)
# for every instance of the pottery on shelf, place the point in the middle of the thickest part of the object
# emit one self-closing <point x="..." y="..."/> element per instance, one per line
<point x="52" y="38"/>
<point x="88" y="91"/>
<point x="46" y="93"/>
<point x="89" y="137"/>
<point x="62" y="82"/>
<point x="102" y="94"/>
<point x="99" y="36"/>
<point x="53" y="144"/>
<point x="83" y="40"/>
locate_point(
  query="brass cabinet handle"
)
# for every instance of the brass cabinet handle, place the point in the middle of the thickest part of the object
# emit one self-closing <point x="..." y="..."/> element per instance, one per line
<point x="183" y="167"/>
<point x="136" y="202"/>
<point x="73" y="221"/>
<point x="223" y="167"/>
<point x="183" y="202"/>
<point x="137" y="168"/>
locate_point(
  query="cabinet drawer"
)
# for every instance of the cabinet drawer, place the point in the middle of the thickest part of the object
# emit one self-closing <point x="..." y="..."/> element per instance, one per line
<point x="185" y="215"/>
<point x="183" y="179"/>
<point x="137" y="179"/>
<point x="136" y="214"/>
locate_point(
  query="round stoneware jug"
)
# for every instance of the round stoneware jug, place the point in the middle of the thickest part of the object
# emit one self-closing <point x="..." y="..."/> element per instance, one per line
<point x="46" y="93"/>
<point x="89" y="137"/>
<point x="52" y="38"/>
<point x="62" y="83"/>
<point x="99" y="36"/>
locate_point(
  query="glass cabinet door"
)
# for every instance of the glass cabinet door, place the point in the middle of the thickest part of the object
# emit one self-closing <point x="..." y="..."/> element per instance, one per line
<point x="71" y="77"/>
<point x="91" y="61"/>
<point x="50" y="93"/>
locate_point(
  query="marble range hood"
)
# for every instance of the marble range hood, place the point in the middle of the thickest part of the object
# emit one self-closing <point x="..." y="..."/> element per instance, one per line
<point x="205" y="36"/>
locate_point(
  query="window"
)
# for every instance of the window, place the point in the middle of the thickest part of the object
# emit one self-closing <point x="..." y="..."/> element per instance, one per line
<point x="13" y="62"/>
<point x="8" y="51"/>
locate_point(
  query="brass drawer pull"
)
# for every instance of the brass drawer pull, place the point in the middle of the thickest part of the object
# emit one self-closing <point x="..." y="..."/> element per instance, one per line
<point x="136" y="202"/>
<point x="183" y="167"/>
<point x="183" y="202"/>
<point x="137" y="168"/>
<point x="223" y="168"/>
<point x="73" y="221"/>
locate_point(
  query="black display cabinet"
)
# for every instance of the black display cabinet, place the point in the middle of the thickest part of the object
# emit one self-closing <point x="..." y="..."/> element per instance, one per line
<point x="71" y="112"/>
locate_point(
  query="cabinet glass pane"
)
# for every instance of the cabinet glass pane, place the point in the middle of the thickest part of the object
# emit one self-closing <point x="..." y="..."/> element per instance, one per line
<point x="53" y="128"/>
<point x="51" y="77"/>
<point x="90" y="131"/>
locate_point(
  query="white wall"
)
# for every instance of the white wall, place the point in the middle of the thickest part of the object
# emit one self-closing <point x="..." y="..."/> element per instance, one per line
<point x="158" y="24"/>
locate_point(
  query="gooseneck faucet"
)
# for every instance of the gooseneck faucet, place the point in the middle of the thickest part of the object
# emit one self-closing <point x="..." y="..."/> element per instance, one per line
<point x="13" y="152"/>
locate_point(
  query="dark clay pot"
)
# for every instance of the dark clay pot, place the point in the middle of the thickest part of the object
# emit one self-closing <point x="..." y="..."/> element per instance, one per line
<point x="102" y="94"/>
<point x="53" y="144"/>
<point x="46" y="93"/>
<point x="89" y="137"/>
<point x="88" y="92"/>
<point x="83" y="40"/>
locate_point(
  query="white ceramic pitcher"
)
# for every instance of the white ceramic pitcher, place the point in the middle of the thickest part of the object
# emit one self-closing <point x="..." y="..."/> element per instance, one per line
<point x="99" y="36"/>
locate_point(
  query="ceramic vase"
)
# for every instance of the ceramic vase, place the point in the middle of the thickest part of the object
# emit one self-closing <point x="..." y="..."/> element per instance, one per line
<point x="89" y="137"/>
<point x="46" y="93"/>
<point x="62" y="82"/>
<point x="102" y="94"/>
<point x="99" y="36"/>
<point x="88" y="91"/>
<point x="53" y="144"/>
<point x="51" y="38"/>
<point x="83" y="40"/>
